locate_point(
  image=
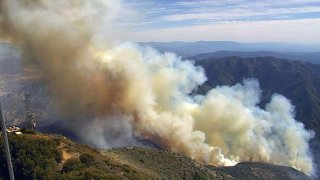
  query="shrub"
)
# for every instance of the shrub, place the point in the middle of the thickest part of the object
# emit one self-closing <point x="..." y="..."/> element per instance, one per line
<point x="32" y="158"/>
<point x="27" y="131"/>
<point x="72" y="165"/>
<point x="87" y="160"/>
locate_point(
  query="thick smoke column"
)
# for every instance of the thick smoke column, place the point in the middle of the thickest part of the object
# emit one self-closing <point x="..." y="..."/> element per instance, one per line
<point x="96" y="82"/>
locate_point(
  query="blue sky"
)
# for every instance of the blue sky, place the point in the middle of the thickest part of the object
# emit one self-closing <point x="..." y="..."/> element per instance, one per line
<point x="273" y="20"/>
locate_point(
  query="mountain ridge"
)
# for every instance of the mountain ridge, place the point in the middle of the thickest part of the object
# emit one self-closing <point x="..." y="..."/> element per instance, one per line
<point x="311" y="57"/>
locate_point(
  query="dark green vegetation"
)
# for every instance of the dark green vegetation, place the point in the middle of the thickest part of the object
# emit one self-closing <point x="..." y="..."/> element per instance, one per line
<point x="40" y="156"/>
<point x="33" y="158"/>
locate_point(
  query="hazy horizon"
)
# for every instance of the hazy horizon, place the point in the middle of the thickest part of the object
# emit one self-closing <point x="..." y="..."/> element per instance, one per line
<point x="292" y="21"/>
<point x="232" y="41"/>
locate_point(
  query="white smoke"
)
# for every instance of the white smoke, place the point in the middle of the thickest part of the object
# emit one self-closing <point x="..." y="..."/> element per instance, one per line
<point x="114" y="131"/>
<point x="97" y="83"/>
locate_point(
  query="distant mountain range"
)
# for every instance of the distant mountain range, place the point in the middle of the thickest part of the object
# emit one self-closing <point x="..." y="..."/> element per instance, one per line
<point x="312" y="57"/>
<point x="220" y="49"/>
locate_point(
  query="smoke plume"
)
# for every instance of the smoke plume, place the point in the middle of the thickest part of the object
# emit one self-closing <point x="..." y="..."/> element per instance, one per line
<point x="103" y="86"/>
